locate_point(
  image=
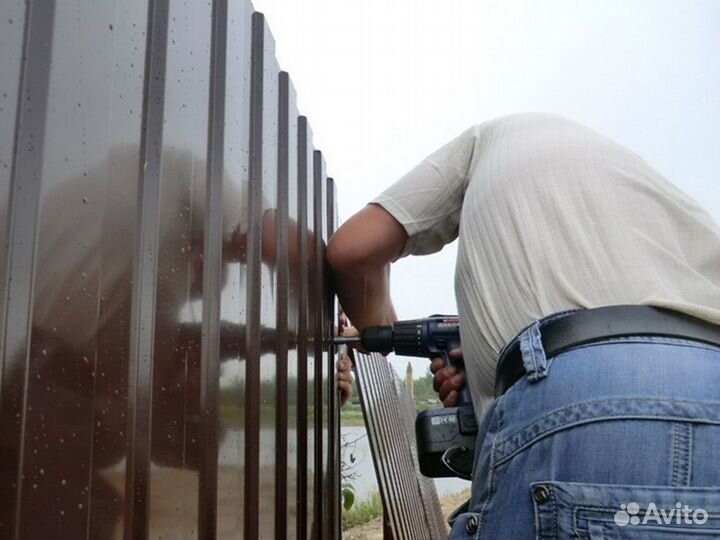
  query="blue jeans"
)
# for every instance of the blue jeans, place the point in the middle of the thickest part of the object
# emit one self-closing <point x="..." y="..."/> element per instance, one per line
<point x="615" y="440"/>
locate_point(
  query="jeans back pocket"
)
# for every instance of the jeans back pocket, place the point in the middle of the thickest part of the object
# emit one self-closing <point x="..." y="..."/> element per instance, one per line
<point x="570" y="510"/>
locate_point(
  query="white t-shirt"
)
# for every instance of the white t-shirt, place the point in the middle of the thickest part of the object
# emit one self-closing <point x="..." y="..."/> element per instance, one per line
<point x="552" y="216"/>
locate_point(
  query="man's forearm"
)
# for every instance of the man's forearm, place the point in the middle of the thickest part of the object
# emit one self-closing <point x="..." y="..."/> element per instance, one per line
<point x="364" y="295"/>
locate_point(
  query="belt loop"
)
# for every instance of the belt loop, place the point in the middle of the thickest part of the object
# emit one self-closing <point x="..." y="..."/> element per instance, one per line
<point x="533" y="353"/>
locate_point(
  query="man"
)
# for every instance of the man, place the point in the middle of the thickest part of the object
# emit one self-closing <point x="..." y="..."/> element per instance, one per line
<point x="595" y="408"/>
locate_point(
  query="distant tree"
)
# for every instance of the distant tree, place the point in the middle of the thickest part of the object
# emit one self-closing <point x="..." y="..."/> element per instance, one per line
<point x="424" y="388"/>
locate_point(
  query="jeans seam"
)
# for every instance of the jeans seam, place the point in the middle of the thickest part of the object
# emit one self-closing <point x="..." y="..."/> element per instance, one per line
<point x="619" y="415"/>
<point x="531" y="345"/>
<point x="658" y="340"/>
<point x="554" y="512"/>
<point x="690" y="454"/>
<point x="682" y="458"/>
<point x="499" y="417"/>
<point x="584" y="421"/>
<point x="534" y="360"/>
<point x="673" y="448"/>
<point x="491" y="491"/>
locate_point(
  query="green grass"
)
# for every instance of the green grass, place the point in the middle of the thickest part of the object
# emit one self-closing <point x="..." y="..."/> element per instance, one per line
<point x="351" y="415"/>
<point x="424" y="406"/>
<point x="231" y="416"/>
<point x="362" y="512"/>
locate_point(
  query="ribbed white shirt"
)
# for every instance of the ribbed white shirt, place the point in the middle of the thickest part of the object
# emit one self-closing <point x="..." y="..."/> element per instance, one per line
<point x="552" y="216"/>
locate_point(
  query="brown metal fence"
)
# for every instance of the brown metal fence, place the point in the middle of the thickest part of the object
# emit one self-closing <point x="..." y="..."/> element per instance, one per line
<point x="165" y="312"/>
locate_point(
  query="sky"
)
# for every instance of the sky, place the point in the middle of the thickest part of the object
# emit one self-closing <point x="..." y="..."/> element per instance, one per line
<point x="385" y="83"/>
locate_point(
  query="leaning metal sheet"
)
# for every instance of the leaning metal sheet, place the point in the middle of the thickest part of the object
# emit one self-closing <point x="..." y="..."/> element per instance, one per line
<point x="429" y="495"/>
<point x="410" y="501"/>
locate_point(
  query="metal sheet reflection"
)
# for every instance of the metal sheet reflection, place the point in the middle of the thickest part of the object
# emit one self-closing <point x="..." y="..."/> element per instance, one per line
<point x="11" y="54"/>
<point x="293" y="319"/>
<point x="164" y="305"/>
<point x="305" y="419"/>
<point x="22" y="209"/>
<point x="333" y="454"/>
<point x="228" y="500"/>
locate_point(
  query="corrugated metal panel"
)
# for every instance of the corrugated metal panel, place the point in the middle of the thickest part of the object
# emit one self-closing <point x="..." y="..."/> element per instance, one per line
<point x="282" y="355"/>
<point x="410" y="501"/>
<point x="305" y="461"/>
<point x="229" y="497"/>
<point x="320" y="367"/>
<point x="334" y="526"/>
<point x="165" y="312"/>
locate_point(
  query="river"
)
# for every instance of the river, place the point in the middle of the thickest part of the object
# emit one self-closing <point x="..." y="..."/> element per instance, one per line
<point x="363" y="479"/>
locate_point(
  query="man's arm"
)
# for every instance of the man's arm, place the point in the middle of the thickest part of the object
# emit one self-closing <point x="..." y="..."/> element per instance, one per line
<point x="359" y="254"/>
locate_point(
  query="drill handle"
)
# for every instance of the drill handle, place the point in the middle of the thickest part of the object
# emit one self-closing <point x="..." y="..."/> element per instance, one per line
<point x="464" y="398"/>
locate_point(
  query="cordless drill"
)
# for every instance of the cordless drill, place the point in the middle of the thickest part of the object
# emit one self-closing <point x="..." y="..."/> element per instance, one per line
<point x="445" y="437"/>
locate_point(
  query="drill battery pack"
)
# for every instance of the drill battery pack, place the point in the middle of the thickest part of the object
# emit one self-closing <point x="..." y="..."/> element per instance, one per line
<point x="446" y="441"/>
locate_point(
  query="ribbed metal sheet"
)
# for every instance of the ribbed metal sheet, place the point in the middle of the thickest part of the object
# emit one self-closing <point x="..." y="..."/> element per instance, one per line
<point x="410" y="500"/>
<point x="165" y="310"/>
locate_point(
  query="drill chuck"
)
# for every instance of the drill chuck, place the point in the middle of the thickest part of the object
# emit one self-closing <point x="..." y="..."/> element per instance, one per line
<point x="378" y="339"/>
<point x="405" y="338"/>
<point x="409" y="340"/>
<point x="421" y="337"/>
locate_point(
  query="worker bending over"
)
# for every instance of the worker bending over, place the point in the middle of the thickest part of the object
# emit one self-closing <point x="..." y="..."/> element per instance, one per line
<point x="589" y="415"/>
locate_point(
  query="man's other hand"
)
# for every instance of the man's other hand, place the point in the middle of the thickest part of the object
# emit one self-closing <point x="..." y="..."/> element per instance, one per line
<point x="344" y="364"/>
<point x="448" y="380"/>
<point x="344" y="378"/>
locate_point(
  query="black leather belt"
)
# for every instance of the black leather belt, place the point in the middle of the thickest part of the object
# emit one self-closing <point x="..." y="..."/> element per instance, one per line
<point x="587" y="326"/>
